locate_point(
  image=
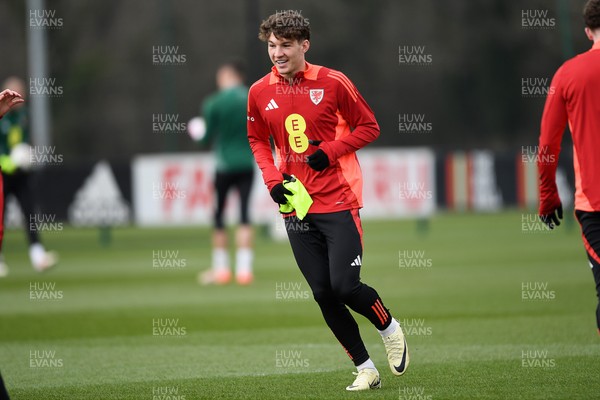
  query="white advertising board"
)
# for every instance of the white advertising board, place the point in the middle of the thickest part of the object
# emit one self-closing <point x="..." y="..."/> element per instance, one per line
<point x="177" y="189"/>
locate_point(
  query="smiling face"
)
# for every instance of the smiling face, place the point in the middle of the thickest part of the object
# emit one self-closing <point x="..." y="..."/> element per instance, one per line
<point x="287" y="55"/>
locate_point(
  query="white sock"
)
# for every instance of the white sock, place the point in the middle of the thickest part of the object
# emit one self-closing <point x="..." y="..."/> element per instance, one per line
<point x="367" y="364"/>
<point x="36" y="253"/>
<point x="390" y="329"/>
<point x="220" y="259"/>
<point x="243" y="260"/>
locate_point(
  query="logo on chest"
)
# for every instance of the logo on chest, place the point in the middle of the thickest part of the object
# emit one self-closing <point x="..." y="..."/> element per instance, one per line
<point x="295" y="125"/>
<point x="316" y="95"/>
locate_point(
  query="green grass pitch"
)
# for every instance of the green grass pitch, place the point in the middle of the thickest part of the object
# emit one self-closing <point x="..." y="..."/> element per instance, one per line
<point x="471" y="332"/>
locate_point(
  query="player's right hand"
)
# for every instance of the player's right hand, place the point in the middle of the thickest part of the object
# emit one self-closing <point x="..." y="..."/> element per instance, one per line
<point x="279" y="191"/>
<point x="553" y="219"/>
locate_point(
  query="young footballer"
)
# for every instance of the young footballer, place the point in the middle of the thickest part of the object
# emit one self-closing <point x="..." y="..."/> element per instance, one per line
<point x="318" y="120"/>
<point x="575" y="99"/>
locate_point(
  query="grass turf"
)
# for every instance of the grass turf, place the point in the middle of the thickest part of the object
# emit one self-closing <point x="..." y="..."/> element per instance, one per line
<point x="470" y="332"/>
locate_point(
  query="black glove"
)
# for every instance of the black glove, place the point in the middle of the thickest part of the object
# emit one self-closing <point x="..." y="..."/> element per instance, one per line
<point x="279" y="191"/>
<point x="318" y="160"/>
<point x="553" y="219"/>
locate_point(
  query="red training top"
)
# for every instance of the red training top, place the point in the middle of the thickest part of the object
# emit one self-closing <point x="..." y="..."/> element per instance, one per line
<point x="574" y="97"/>
<point x="319" y="104"/>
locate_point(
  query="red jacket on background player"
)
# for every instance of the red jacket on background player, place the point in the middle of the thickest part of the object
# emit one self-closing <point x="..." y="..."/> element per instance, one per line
<point x="319" y="104"/>
<point x="574" y="98"/>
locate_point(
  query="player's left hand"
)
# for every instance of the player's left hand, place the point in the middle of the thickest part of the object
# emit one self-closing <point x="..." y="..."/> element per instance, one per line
<point x="553" y="219"/>
<point x="9" y="99"/>
<point x="318" y="160"/>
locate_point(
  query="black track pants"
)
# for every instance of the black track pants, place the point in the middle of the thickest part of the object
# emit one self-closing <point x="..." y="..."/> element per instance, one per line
<point x="328" y="250"/>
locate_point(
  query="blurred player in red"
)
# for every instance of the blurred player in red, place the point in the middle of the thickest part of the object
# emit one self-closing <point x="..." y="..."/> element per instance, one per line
<point x="318" y="120"/>
<point x="14" y="136"/>
<point x="574" y="99"/>
<point x="8" y="99"/>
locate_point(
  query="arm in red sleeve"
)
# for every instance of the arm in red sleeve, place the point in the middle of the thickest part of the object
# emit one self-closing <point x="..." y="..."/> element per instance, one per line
<point x="258" y="137"/>
<point x="554" y="121"/>
<point x="355" y="110"/>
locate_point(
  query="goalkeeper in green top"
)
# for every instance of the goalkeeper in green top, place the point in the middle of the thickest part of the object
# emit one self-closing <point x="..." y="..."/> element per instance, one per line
<point x="224" y="125"/>
<point x="17" y="178"/>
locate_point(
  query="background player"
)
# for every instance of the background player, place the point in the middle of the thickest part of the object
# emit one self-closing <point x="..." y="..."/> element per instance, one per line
<point x="576" y="100"/>
<point x="318" y="120"/>
<point x="225" y="117"/>
<point x="8" y="99"/>
<point x="14" y="130"/>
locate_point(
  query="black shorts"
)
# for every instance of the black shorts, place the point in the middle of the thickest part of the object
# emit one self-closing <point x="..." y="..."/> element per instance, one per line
<point x="242" y="181"/>
<point x="19" y="185"/>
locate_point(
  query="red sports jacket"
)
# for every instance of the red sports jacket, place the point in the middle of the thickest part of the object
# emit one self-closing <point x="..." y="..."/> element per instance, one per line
<point x="319" y="104"/>
<point x="575" y="99"/>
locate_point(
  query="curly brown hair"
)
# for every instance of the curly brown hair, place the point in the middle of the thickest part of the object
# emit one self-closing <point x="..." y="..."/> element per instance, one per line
<point x="591" y="14"/>
<point x="286" y="24"/>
